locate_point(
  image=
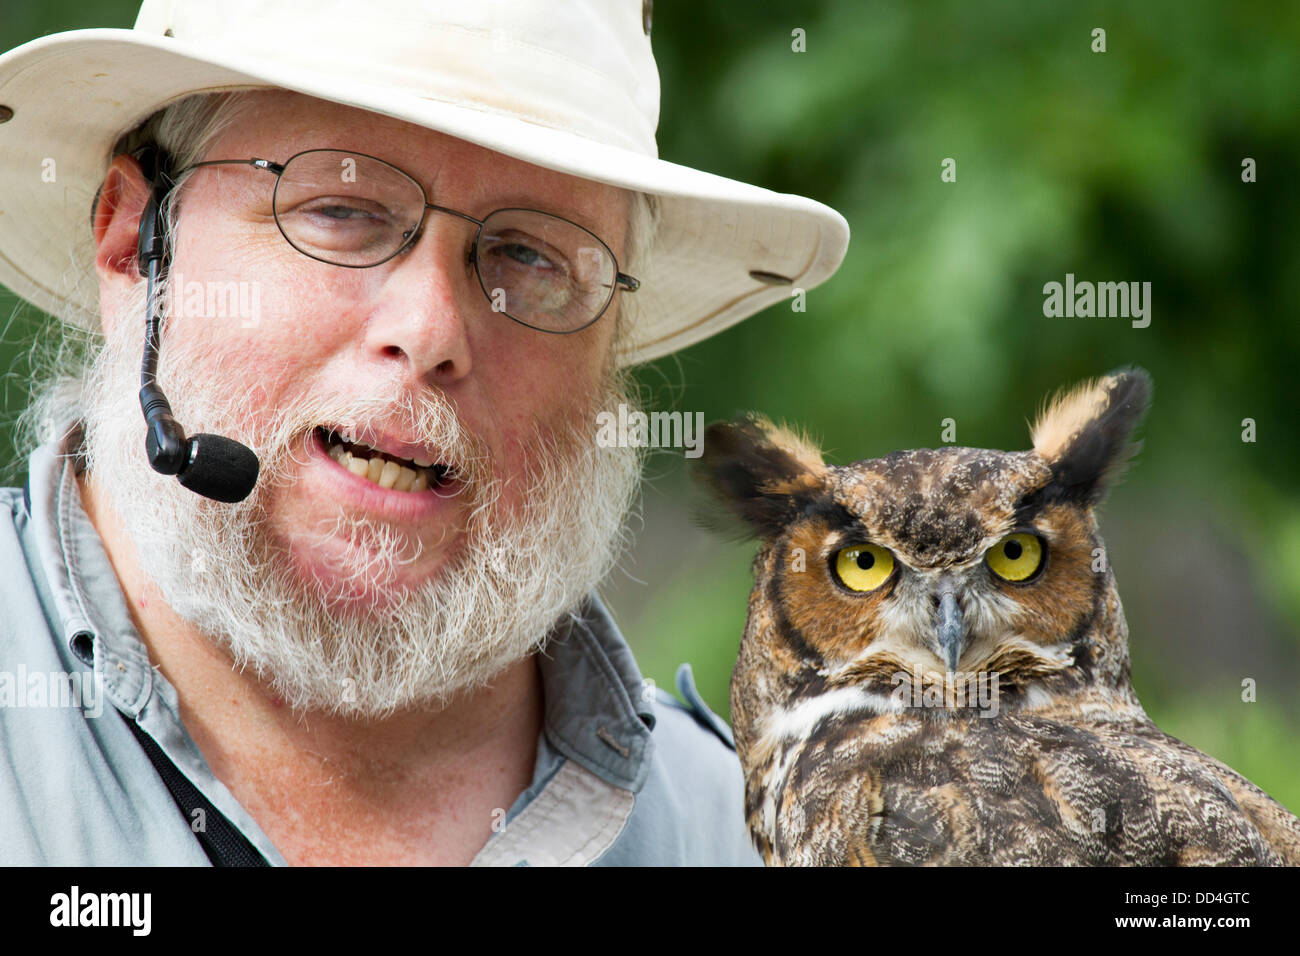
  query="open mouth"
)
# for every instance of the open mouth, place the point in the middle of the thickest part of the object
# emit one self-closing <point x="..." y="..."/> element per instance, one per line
<point x="381" y="468"/>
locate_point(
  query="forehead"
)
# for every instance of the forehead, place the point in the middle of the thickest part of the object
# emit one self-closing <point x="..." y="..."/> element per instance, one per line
<point x="939" y="502"/>
<point x="275" y="124"/>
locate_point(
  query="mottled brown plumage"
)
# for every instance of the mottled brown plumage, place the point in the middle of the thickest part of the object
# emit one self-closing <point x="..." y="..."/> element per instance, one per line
<point x="974" y="705"/>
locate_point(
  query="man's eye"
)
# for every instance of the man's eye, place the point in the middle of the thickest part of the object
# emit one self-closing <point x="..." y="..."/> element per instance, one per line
<point x="513" y="249"/>
<point x="343" y="212"/>
<point x="527" y="255"/>
<point x="328" y="211"/>
<point x="330" y="226"/>
<point x="522" y="254"/>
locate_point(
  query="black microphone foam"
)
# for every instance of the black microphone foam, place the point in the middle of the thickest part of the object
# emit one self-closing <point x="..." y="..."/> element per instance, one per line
<point x="220" y="468"/>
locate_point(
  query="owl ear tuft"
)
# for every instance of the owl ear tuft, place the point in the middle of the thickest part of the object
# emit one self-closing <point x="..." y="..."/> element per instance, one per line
<point x="1085" y="433"/>
<point x="763" y="473"/>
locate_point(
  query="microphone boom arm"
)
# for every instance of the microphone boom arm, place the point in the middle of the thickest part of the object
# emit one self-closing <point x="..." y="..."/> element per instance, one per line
<point x="214" y="466"/>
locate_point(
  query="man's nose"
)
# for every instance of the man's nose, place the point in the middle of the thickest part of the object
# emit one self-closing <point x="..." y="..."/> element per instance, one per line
<point x="423" y="300"/>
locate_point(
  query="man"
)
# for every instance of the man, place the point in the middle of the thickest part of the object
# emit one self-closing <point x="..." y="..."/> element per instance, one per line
<point x="406" y="259"/>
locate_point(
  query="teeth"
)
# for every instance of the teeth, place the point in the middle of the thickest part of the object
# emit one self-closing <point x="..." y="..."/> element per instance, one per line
<point x="381" y="471"/>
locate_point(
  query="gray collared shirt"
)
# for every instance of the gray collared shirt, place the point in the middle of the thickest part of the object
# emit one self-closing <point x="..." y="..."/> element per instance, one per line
<point x="625" y="774"/>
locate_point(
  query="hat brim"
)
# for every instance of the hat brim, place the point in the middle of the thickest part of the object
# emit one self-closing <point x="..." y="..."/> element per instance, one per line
<point x="74" y="94"/>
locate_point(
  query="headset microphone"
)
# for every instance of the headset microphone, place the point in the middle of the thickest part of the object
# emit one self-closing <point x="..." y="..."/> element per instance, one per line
<point x="210" y="465"/>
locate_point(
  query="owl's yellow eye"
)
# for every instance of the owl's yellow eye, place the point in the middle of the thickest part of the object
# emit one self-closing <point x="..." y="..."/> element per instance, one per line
<point x="863" y="567"/>
<point x="1016" y="557"/>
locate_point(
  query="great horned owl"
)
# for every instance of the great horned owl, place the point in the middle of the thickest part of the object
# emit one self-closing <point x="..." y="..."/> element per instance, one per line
<point x="935" y="666"/>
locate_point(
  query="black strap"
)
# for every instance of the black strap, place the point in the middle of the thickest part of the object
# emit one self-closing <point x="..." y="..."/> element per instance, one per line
<point x="224" y="845"/>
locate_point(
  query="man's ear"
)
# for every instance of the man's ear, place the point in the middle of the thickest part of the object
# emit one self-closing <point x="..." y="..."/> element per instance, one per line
<point x="115" y="224"/>
<point x="1085" y="434"/>
<point x="762" y="473"/>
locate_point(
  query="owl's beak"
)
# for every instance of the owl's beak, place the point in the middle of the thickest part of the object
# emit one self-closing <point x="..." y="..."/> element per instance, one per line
<point x="952" y="629"/>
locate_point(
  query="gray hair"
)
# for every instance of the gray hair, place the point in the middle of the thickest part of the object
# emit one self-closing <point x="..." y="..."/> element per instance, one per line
<point x="185" y="130"/>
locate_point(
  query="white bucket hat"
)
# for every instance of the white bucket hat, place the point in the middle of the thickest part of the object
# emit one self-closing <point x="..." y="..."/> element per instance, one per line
<point x="580" y="96"/>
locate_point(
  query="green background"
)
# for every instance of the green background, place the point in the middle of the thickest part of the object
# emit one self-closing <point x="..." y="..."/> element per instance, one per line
<point x="1117" y="166"/>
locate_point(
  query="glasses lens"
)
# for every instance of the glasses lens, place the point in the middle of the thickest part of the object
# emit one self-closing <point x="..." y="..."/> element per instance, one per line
<point x="346" y="208"/>
<point x="544" y="271"/>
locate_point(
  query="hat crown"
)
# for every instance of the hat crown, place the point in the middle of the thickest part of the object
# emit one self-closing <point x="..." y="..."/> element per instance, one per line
<point x="581" y="66"/>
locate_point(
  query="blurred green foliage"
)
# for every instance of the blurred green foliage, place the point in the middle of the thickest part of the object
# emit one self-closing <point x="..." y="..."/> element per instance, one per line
<point x="1117" y="166"/>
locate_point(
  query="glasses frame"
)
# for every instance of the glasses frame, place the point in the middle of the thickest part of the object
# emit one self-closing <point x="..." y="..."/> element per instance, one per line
<point x="621" y="279"/>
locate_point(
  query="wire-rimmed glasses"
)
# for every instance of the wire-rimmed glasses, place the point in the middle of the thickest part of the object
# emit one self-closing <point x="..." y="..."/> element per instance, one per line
<point x="358" y="211"/>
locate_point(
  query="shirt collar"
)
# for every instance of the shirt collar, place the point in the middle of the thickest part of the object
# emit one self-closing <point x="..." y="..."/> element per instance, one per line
<point x="598" y="708"/>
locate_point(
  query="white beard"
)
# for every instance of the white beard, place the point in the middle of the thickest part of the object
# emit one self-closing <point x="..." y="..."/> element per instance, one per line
<point x="489" y="605"/>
